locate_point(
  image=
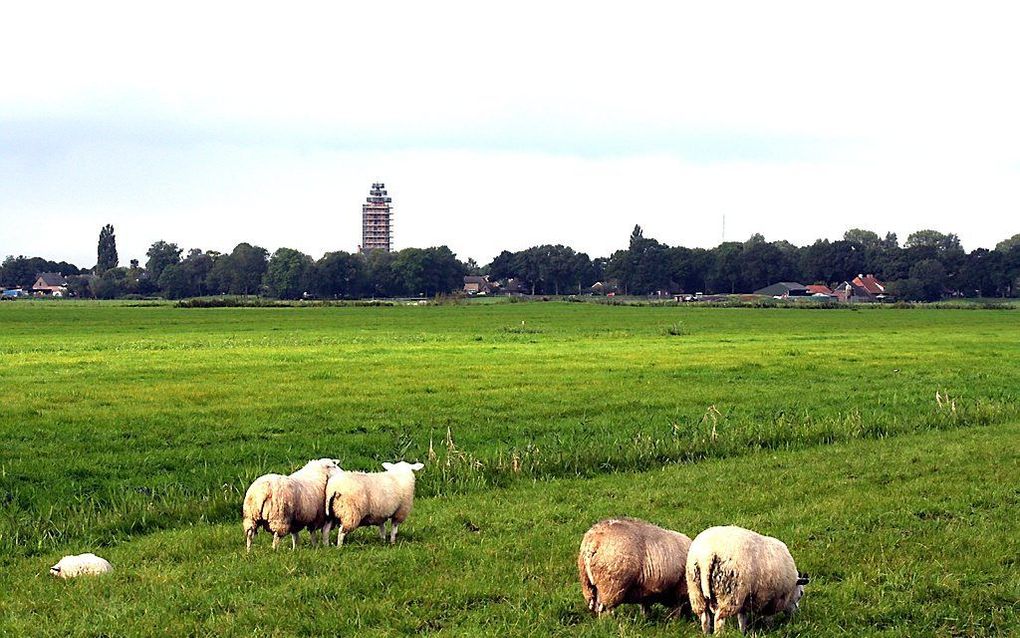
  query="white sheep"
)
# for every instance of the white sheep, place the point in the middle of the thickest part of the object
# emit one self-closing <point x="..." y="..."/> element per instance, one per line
<point x="732" y="571"/>
<point x="288" y="504"/>
<point x="80" y="565"/>
<point x="354" y="499"/>
<point x="625" y="560"/>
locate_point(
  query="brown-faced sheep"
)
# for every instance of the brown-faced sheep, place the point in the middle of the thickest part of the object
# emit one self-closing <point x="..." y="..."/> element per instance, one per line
<point x="288" y="504"/>
<point x="732" y="571"/>
<point x="625" y="560"/>
<point x="354" y="499"/>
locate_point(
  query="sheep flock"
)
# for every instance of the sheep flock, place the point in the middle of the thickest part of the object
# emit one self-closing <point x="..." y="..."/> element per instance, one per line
<point x="724" y="572"/>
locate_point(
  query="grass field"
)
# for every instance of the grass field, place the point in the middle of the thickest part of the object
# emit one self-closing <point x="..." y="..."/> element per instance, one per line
<point x="881" y="444"/>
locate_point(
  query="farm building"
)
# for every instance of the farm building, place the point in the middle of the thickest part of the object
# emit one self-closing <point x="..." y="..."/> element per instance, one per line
<point x="784" y="290"/>
<point x="50" y="284"/>
<point x="479" y="285"/>
<point x="862" y="289"/>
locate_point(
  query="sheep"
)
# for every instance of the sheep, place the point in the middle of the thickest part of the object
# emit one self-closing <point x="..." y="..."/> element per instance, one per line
<point x="626" y="560"/>
<point x="80" y="565"/>
<point x="354" y="499"/>
<point x="287" y="504"/>
<point x="732" y="571"/>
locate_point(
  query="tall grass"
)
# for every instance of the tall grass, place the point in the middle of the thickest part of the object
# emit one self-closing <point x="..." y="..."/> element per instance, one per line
<point x="120" y="421"/>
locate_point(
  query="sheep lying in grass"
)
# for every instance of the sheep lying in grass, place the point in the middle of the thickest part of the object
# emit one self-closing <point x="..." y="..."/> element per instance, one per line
<point x="732" y="571"/>
<point x="288" y="504"/>
<point x="80" y="565"/>
<point x="626" y="560"/>
<point x="354" y="499"/>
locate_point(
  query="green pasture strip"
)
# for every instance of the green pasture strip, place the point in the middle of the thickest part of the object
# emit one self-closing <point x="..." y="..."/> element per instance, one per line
<point x="120" y="420"/>
<point x="912" y="536"/>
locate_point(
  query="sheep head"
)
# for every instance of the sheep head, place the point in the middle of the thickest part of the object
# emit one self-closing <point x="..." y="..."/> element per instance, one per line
<point x="798" y="592"/>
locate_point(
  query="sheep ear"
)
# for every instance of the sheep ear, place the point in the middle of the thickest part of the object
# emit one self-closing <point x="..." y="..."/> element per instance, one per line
<point x="388" y="466"/>
<point x="417" y="466"/>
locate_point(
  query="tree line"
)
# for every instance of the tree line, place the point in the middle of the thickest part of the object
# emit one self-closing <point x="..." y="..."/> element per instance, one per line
<point x="928" y="266"/>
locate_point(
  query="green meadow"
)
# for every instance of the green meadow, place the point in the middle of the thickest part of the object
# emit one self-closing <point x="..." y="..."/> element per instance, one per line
<point x="881" y="444"/>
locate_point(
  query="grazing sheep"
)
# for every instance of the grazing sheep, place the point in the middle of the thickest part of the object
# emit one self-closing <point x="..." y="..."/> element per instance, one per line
<point x="732" y="571"/>
<point x="80" y="565"/>
<point x="288" y="504"/>
<point x="354" y="499"/>
<point x="625" y="560"/>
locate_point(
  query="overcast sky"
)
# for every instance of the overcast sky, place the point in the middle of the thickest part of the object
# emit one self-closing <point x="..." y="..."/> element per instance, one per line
<point x="504" y="125"/>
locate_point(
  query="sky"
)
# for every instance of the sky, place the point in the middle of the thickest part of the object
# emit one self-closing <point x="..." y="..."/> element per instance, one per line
<point x="504" y="125"/>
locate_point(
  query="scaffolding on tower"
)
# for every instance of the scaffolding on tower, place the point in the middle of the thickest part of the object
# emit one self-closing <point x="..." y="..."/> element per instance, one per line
<point x="377" y="220"/>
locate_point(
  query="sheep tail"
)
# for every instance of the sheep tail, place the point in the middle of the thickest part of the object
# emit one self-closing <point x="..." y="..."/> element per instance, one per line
<point x="587" y="579"/>
<point x="706" y="579"/>
<point x="266" y="509"/>
<point x="329" y="505"/>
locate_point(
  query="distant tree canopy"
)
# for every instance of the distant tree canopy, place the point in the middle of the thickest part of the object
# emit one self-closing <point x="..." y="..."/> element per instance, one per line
<point x="22" y="271"/>
<point x="161" y="255"/>
<point x="929" y="266"/>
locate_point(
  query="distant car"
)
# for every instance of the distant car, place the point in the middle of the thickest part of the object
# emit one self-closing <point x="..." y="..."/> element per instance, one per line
<point x="12" y="294"/>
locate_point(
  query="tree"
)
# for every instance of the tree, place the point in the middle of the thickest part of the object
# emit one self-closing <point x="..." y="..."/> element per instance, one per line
<point x="444" y="273"/>
<point x="107" y="250"/>
<point x="501" y="267"/>
<point x="175" y="282"/>
<point x="726" y="274"/>
<point x="110" y="285"/>
<point x="161" y="254"/>
<point x="288" y="273"/>
<point x="22" y="271"/>
<point x="340" y="275"/>
<point x="189" y="277"/>
<point x="866" y="239"/>
<point x="926" y="282"/>
<point x="409" y="266"/>
<point x="984" y="274"/>
<point x="764" y="263"/>
<point x="240" y="272"/>
<point x="382" y="281"/>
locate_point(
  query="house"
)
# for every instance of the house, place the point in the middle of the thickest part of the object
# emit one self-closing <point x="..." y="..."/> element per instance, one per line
<point x="872" y="285"/>
<point x="862" y="289"/>
<point x="784" y="290"/>
<point x="478" y="285"/>
<point x="50" y="284"/>
<point x="516" y="286"/>
<point x="819" y="289"/>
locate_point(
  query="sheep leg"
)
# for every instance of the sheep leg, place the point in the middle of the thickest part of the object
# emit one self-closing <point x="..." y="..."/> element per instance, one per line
<point x="742" y="622"/>
<point x="719" y="624"/>
<point x="340" y="537"/>
<point x="325" y="533"/>
<point x="293" y="540"/>
<point x="313" y="537"/>
<point x="249" y="534"/>
<point x="276" y="541"/>
<point x="382" y="531"/>
<point x="646" y="610"/>
<point x="393" y="532"/>
<point x="706" y="622"/>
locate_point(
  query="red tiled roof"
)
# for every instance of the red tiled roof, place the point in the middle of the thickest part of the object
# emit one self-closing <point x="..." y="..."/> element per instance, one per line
<point x="869" y="283"/>
<point x="815" y="289"/>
